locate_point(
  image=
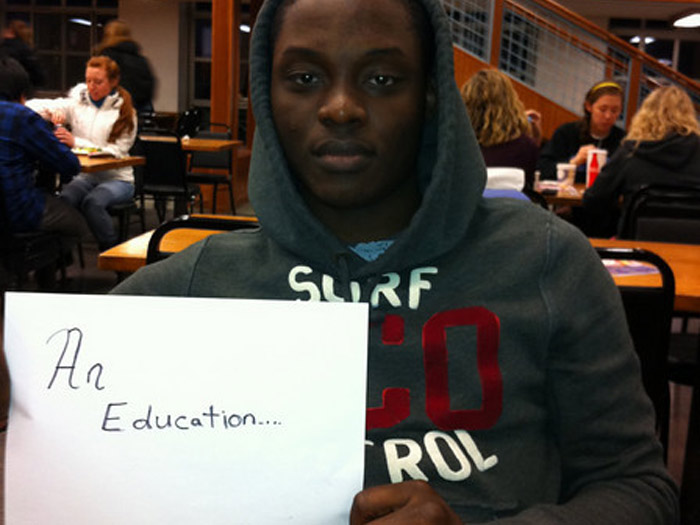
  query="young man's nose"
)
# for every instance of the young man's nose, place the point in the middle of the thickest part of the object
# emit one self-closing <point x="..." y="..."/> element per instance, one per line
<point x="341" y="107"/>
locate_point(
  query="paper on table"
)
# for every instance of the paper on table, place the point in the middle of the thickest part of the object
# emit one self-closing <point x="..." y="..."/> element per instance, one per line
<point x="263" y="405"/>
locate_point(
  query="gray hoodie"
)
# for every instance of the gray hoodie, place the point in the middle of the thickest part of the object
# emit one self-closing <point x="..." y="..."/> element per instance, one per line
<point x="500" y="366"/>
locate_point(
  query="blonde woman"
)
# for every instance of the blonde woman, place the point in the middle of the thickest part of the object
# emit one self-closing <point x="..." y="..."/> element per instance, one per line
<point x="662" y="146"/>
<point x="500" y="122"/>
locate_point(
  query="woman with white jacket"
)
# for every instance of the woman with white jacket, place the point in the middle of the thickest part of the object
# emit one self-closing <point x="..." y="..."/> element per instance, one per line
<point x="100" y="115"/>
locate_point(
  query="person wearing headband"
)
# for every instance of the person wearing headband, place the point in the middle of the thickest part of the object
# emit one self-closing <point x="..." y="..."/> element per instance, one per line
<point x="596" y="129"/>
<point x="662" y="146"/>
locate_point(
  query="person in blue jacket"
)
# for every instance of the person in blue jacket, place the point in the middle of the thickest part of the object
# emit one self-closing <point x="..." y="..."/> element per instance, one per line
<point x="26" y="140"/>
<point x="502" y="381"/>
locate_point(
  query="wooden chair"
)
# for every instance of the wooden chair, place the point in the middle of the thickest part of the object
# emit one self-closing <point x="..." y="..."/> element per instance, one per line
<point x="154" y="252"/>
<point x="649" y="311"/>
<point x="213" y="167"/>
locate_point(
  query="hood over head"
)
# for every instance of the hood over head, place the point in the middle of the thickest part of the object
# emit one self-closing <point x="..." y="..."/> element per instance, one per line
<point x="450" y="168"/>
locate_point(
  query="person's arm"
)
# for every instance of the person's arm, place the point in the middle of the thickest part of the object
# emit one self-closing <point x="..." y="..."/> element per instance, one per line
<point x="535" y="119"/>
<point x="558" y="149"/>
<point x="612" y="463"/>
<point x="612" y="469"/>
<point x="602" y="200"/>
<point x="41" y="143"/>
<point x="54" y="110"/>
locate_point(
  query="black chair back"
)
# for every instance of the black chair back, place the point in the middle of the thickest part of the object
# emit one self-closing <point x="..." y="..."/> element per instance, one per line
<point x="221" y="224"/>
<point x="165" y="174"/>
<point x="188" y="121"/>
<point x="649" y="310"/>
<point x="664" y="213"/>
<point x="212" y="159"/>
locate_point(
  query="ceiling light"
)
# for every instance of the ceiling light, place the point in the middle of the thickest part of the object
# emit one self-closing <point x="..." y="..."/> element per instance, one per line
<point x="81" y="21"/>
<point x="245" y="28"/>
<point x="687" y="20"/>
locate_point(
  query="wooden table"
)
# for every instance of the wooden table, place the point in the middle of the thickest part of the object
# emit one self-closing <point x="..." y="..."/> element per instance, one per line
<point x="131" y="255"/>
<point x="93" y="164"/>
<point x="566" y="196"/>
<point x="196" y="144"/>
<point x="684" y="260"/>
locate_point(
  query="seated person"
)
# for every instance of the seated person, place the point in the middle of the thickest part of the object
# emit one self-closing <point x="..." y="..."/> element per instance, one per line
<point x="500" y="122"/>
<point x="26" y="140"/>
<point x="662" y="146"/>
<point x="502" y="380"/>
<point x="571" y="142"/>
<point x="100" y="115"/>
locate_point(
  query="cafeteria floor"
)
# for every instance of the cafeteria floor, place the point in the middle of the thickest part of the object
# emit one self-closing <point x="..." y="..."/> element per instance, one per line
<point x="92" y="280"/>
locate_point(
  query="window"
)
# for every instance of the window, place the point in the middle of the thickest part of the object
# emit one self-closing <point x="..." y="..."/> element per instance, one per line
<point x="65" y="32"/>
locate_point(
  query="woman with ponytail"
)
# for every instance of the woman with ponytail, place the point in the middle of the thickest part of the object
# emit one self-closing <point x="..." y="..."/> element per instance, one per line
<point x="97" y="114"/>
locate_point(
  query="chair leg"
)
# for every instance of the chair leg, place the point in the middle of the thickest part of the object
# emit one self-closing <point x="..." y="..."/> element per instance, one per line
<point x="230" y="196"/>
<point x="690" y="486"/>
<point x="160" y="205"/>
<point x="124" y="221"/>
<point x="142" y="217"/>
<point x="214" y="193"/>
<point x="81" y="255"/>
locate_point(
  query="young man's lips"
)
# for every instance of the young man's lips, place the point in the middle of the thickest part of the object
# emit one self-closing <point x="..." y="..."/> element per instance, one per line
<point x="343" y="156"/>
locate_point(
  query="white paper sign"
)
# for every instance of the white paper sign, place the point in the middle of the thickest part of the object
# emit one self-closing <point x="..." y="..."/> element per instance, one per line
<point x="146" y="410"/>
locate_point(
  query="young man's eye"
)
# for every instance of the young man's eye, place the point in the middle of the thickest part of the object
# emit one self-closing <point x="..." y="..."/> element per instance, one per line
<point x="382" y="80"/>
<point x="304" y="79"/>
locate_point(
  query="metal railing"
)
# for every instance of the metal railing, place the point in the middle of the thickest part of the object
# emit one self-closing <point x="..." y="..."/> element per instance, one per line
<point x="556" y="52"/>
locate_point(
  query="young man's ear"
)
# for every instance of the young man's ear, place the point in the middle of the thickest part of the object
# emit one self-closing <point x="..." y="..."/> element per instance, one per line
<point x="430" y="100"/>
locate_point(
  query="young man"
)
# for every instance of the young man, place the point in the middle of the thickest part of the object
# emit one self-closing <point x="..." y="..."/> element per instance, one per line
<point x="502" y="380"/>
<point x="25" y="140"/>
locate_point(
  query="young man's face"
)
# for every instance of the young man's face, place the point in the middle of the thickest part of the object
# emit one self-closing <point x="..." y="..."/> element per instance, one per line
<point x="348" y="100"/>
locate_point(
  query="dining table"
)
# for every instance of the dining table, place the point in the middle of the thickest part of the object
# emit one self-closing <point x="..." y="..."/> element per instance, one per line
<point x="195" y="143"/>
<point x="557" y="194"/>
<point x="92" y="164"/>
<point x="129" y="256"/>
<point x="684" y="260"/>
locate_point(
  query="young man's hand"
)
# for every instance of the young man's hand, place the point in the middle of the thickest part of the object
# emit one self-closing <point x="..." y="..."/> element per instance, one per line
<point x="407" y="503"/>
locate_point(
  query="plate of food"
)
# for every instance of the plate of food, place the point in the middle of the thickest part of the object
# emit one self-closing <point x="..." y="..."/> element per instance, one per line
<point x="91" y="152"/>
